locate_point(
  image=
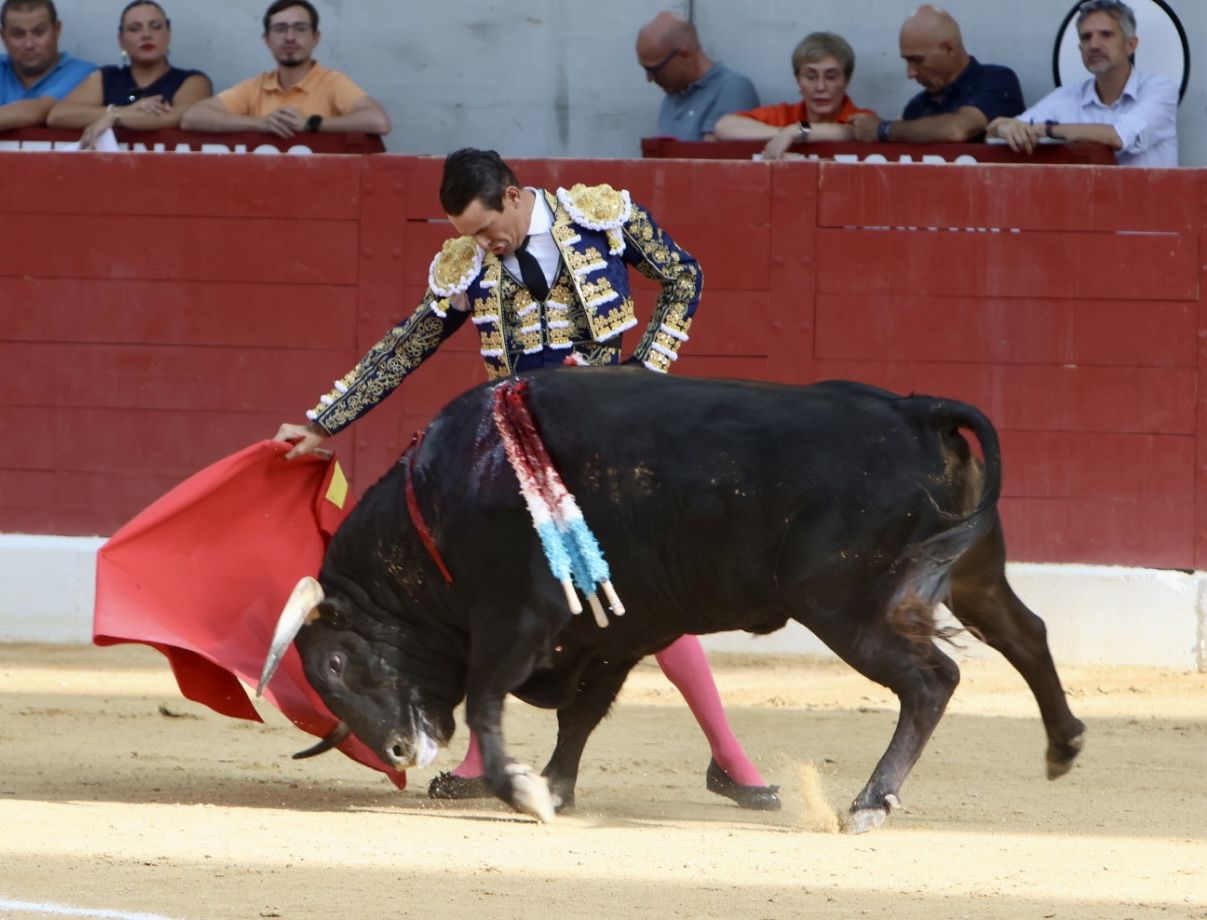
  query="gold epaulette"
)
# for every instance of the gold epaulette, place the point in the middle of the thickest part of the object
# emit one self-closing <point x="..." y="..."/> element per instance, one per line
<point x="456" y="265"/>
<point x="597" y="207"/>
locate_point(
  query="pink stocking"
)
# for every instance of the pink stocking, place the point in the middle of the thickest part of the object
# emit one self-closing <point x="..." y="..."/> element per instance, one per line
<point x="471" y="766"/>
<point x="685" y="665"/>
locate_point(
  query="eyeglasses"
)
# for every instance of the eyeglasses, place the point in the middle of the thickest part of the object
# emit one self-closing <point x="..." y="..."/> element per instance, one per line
<point x="134" y="28"/>
<point x="653" y="71"/>
<point x="298" y="28"/>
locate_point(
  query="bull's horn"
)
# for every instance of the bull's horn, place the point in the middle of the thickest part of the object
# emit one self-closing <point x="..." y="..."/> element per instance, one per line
<point x="307" y="594"/>
<point x="334" y="738"/>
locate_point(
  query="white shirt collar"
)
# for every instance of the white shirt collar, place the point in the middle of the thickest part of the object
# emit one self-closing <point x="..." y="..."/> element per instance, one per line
<point x="542" y="219"/>
<point x="540" y="242"/>
<point x="1089" y="91"/>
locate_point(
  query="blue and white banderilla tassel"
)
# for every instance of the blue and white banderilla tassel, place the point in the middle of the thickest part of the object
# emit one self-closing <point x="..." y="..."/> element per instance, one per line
<point x="570" y="547"/>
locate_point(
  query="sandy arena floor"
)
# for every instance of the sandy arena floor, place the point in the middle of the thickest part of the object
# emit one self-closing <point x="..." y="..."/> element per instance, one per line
<point x="118" y="795"/>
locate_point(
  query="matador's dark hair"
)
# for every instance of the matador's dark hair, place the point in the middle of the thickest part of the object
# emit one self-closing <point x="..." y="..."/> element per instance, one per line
<point x="474" y="175"/>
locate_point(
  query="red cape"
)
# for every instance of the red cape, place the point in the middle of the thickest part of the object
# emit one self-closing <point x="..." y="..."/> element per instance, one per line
<point x="203" y="573"/>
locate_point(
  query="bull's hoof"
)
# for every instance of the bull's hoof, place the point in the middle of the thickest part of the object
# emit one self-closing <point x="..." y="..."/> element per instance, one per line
<point x="862" y="820"/>
<point x="563" y="804"/>
<point x="756" y="798"/>
<point x="563" y="798"/>
<point x="530" y="792"/>
<point x="1060" y="757"/>
<point x="451" y="786"/>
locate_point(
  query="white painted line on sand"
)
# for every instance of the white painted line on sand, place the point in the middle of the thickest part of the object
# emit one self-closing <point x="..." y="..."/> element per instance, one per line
<point x="63" y="910"/>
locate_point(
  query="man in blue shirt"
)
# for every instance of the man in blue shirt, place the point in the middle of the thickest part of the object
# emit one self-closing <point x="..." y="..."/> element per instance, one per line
<point x="34" y="75"/>
<point x="698" y="90"/>
<point x="960" y="95"/>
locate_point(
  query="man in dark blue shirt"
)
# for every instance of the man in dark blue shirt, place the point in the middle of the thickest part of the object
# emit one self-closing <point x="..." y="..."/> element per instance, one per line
<point x="960" y="95"/>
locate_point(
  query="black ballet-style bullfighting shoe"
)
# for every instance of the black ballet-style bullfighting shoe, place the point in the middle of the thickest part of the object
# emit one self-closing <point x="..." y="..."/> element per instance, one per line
<point x="756" y="798"/>
<point x="451" y="786"/>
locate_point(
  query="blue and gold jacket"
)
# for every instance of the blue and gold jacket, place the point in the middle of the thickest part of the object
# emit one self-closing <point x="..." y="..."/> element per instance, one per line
<point x="599" y="232"/>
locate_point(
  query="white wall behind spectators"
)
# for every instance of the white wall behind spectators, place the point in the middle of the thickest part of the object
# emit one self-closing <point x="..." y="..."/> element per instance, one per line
<point x="559" y="77"/>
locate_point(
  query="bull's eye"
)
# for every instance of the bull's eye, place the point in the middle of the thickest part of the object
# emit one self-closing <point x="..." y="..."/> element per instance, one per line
<point x="335" y="664"/>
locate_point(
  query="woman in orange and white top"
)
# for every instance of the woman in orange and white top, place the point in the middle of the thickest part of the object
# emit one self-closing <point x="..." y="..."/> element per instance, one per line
<point x="823" y="63"/>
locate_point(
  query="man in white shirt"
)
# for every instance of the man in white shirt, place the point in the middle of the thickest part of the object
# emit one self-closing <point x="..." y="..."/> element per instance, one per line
<point x="1133" y="113"/>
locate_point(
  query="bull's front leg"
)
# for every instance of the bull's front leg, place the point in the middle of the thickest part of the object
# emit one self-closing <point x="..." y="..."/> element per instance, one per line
<point x="596" y="692"/>
<point x="500" y="661"/>
<point x="517" y="784"/>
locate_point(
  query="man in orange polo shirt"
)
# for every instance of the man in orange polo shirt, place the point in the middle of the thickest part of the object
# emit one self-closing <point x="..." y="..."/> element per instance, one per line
<point x="300" y="95"/>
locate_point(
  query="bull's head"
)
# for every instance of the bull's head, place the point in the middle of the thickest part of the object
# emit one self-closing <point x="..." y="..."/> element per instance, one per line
<point x="359" y="679"/>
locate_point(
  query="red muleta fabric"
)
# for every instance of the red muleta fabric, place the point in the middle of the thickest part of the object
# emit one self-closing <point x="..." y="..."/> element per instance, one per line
<point x="203" y="574"/>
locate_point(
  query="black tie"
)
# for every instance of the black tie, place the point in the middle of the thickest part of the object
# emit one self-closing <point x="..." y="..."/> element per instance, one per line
<point x="530" y="271"/>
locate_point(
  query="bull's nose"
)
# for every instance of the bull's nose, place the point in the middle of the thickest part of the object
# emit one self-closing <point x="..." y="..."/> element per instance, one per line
<point x="403" y="753"/>
<point x="399" y="753"/>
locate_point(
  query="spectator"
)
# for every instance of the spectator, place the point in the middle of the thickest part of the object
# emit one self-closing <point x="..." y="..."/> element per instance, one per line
<point x="1133" y="113"/>
<point x="300" y="95"/>
<point x="147" y="94"/>
<point x="823" y="64"/>
<point x="545" y="278"/>
<point x="698" y="89"/>
<point x="960" y="95"/>
<point x="34" y="74"/>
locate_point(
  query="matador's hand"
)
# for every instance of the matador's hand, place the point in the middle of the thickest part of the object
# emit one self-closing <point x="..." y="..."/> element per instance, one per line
<point x="306" y="439"/>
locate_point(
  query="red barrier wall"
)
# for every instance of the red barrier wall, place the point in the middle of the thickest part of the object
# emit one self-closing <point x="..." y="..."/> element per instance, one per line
<point x="158" y="312"/>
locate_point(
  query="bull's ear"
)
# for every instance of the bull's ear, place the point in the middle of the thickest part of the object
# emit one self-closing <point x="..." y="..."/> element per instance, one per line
<point x="302" y="607"/>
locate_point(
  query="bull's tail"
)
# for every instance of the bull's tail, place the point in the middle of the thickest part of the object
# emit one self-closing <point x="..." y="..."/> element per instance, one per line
<point x="925" y="566"/>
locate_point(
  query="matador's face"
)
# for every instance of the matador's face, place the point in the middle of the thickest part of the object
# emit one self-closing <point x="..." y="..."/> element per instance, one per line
<point x="499" y="232"/>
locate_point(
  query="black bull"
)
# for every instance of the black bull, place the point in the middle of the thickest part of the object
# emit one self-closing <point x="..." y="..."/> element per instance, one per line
<point x="719" y="505"/>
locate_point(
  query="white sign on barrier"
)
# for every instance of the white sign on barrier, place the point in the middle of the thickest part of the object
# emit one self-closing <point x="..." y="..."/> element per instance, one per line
<point x="65" y="146"/>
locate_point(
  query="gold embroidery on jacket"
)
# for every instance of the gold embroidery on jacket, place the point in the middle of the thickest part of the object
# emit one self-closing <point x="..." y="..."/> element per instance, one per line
<point x="378" y="373"/>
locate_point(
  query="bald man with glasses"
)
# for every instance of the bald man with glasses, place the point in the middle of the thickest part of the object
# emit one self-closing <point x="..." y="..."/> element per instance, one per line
<point x="299" y="95"/>
<point x="1132" y="112"/>
<point x="698" y="89"/>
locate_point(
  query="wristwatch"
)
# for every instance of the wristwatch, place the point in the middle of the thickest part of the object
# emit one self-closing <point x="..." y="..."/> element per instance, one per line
<point x="313" y="122"/>
<point x="804" y="129"/>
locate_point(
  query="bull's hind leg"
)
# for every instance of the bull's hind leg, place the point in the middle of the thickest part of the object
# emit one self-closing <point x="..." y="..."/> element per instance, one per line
<point x="596" y="692"/>
<point x="983" y="600"/>
<point x="921" y="676"/>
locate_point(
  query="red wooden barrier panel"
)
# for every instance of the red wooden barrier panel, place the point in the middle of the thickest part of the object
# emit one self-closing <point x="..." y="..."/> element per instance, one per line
<point x="1061" y="301"/>
<point x="159" y="312"/>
